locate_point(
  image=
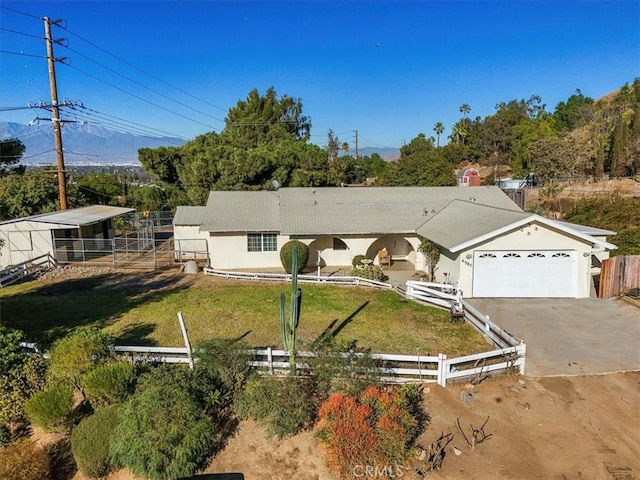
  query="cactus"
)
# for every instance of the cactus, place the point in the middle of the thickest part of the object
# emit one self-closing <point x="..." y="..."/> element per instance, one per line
<point x="289" y="327"/>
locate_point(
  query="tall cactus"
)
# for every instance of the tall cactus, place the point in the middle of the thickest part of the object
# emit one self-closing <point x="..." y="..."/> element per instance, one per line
<point x="289" y="327"/>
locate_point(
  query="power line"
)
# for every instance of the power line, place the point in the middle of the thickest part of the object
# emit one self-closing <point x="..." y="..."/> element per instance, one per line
<point x="19" y="12"/>
<point x="21" y="33"/>
<point x="140" y="98"/>
<point x="142" y="71"/>
<point x="23" y="54"/>
<point x="143" y="86"/>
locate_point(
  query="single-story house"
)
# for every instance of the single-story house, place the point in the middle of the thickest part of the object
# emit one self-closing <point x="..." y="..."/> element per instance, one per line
<point x="488" y="245"/>
<point x="26" y="238"/>
<point x="468" y="177"/>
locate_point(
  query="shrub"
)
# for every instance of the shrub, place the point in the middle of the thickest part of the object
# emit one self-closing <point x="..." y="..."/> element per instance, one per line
<point x="109" y="383"/>
<point x="226" y="359"/>
<point x="163" y="434"/>
<point x="51" y="409"/>
<point x="11" y="355"/>
<point x="76" y="354"/>
<point x="282" y="406"/>
<point x="370" y="272"/>
<point x="375" y="428"/>
<point x="5" y="435"/>
<point x="286" y="255"/>
<point x="357" y="260"/>
<point x="90" y="441"/>
<point x="18" y="384"/>
<point x="24" y="460"/>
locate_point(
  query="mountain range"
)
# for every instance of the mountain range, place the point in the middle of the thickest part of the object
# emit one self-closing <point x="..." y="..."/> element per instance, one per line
<point x="86" y="144"/>
<point x="82" y="144"/>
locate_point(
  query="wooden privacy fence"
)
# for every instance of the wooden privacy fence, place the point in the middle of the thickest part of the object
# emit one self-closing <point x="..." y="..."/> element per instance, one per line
<point x="15" y="273"/>
<point x="618" y="275"/>
<point x="392" y="368"/>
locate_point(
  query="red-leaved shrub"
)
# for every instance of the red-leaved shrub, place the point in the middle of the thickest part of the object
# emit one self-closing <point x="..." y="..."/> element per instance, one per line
<point x="375" y="429"/>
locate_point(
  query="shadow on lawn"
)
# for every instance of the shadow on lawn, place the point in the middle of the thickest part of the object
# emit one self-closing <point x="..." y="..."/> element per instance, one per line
<point x="51" y="310"/>
<point x="330" y="333"/>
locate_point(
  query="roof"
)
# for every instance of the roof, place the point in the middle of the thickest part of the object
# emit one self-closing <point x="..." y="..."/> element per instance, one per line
<point x="463" y="224"/>
<point x="468" y="170"/>
<point x="76" y="217"/>
<point x="597" y="232"/>
<point x="241" y="212"/>
<point x="188" y="215"/>
<point x="373" y="210"/>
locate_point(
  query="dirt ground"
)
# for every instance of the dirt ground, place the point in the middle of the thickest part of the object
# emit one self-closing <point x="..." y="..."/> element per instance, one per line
<point x="564" y="428"/>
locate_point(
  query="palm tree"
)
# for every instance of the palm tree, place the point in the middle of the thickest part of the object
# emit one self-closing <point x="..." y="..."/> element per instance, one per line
<point x="439" y="129"/>
<point x="459" y="131"/>
<point x="345" y="148"/>
<point x="465" y="109"/>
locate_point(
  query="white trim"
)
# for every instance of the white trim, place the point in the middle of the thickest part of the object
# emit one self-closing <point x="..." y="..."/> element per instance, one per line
<point x="525" y="221"/>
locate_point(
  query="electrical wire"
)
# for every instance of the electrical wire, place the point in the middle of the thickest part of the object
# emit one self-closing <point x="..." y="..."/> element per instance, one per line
<point x="139" y="97"/>
<point x="23" y="54"/>
<point x="4" y="7"/>
<point x="21" y="33"/>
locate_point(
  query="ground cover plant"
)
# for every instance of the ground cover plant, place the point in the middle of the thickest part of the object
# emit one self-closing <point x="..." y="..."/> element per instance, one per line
<point x="141" y="309"/>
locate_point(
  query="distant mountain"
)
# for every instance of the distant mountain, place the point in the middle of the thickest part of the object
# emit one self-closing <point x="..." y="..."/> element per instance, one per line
<point x="388" y="153"/>
<point x="82" y="144"/>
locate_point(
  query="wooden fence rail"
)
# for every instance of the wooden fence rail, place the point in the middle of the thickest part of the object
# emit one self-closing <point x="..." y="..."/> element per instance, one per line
<point x="618" y="275"/>
<point x="15" y="273"/>
<point x="392" y="368"/>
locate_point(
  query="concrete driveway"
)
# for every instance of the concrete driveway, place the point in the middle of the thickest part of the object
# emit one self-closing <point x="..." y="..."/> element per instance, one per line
<point x="570" y="336"/>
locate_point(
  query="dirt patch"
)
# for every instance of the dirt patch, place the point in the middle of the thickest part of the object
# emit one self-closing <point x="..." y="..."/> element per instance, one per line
<point x="564" y="428"/>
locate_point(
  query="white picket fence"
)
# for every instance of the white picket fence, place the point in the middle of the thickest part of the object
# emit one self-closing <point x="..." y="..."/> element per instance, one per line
<point x="392" y="368"/>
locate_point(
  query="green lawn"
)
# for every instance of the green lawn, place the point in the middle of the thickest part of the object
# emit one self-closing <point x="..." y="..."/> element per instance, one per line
<point x="145" y="313"/>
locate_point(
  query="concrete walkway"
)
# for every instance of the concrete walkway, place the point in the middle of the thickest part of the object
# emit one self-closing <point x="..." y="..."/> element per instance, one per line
<point x="570" y="336"/>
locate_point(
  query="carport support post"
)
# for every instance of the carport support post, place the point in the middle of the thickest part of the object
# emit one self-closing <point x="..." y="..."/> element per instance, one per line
<point x="187" y="345"/>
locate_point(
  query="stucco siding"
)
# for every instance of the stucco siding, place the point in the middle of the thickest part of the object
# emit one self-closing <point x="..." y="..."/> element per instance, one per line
<point x="24" y="241"/>
<point x="532" y="237"/>
<point x="230" y="251"/>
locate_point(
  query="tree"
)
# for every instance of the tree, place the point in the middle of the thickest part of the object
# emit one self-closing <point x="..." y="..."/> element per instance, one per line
<point x="575" y="112"/>
<point x="439" y="129"/>
<point x="162" y="161"/>
<point x="465" y="109"/>
<point x="420" y="164"/>
<point x="11" y="151"/>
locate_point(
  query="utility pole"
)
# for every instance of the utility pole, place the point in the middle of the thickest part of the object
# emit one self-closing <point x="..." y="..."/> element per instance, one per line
<point x="356" y="132"/>
<point x="55" y="113"/>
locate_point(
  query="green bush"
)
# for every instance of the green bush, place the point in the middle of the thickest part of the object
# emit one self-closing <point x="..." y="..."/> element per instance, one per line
<point x="5" y="435"/>
<point x="226" y="359"/>
<point x="90" y="441"/>
<point x="18" y="384"/>
<point x="21" y="375"/>
<point x="286" y="255"/>
<point x="24" y="460"/>
<point x="357" y="260"/>
<point x="370" y="272"/>
<point x="51" y="409"/>
<point x="76" y="354"/>
<point x="109" y="383"/>
<point x="162" y="434"/>
<point x="282" y="406"/>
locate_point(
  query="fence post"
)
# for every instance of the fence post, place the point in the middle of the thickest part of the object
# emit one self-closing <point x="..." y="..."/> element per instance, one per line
<point x="442" y="370"/>
<point x="270" y="360"/>
<point x="113" y="249"/>
<point x="183" y="329"/>
<point x="522" y="351"/>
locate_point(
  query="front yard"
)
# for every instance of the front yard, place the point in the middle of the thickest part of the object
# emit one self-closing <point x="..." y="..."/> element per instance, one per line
<point x="141" y="308"/>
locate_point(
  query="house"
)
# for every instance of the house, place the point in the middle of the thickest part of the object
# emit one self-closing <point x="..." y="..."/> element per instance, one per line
<point x="54" y="233"/>
<point x="488" y="245"/>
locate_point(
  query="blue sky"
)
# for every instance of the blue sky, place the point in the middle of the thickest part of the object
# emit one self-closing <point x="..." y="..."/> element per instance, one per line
<point x="387" y="69"/>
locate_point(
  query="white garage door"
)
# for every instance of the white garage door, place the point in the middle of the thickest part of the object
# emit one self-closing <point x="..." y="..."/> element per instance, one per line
<point x="539" y="273"/>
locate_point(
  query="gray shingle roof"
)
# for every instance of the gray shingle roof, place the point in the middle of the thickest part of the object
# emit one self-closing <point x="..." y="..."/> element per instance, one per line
<point x="241" y="212"/>
<point x="189" y="215"/>
<point x="373" y="210"/>
<point x="462" y="221"/>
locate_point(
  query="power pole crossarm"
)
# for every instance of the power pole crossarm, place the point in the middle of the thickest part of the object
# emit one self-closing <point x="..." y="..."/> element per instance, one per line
<point x="55" y="115"/>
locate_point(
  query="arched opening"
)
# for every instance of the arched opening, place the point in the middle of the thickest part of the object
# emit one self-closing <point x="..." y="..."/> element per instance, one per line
<point x="398" y="247"/>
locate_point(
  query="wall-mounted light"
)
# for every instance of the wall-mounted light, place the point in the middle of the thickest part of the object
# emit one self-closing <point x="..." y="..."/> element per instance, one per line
<point x="585" y="254"/>
<point x="468" y="255"/>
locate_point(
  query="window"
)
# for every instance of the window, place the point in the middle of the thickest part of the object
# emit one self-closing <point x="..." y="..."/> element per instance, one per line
<point x="561" y="255"/>
<point x="487" y="255"/>
<point x="511" y="255"/>
<point x="262" y="242"/>
<point x="536" y="255"/>
<point x="339" y="244"/>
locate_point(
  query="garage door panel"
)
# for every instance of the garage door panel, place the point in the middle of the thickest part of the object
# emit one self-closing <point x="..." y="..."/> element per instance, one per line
<point x="525" y="274"/>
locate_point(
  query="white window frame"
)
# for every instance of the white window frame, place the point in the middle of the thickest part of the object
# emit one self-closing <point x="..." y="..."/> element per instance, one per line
<point x="262" y="242"/>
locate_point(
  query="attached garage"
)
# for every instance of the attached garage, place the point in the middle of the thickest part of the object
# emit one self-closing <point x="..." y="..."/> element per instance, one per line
<point x="525" y="273"/>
